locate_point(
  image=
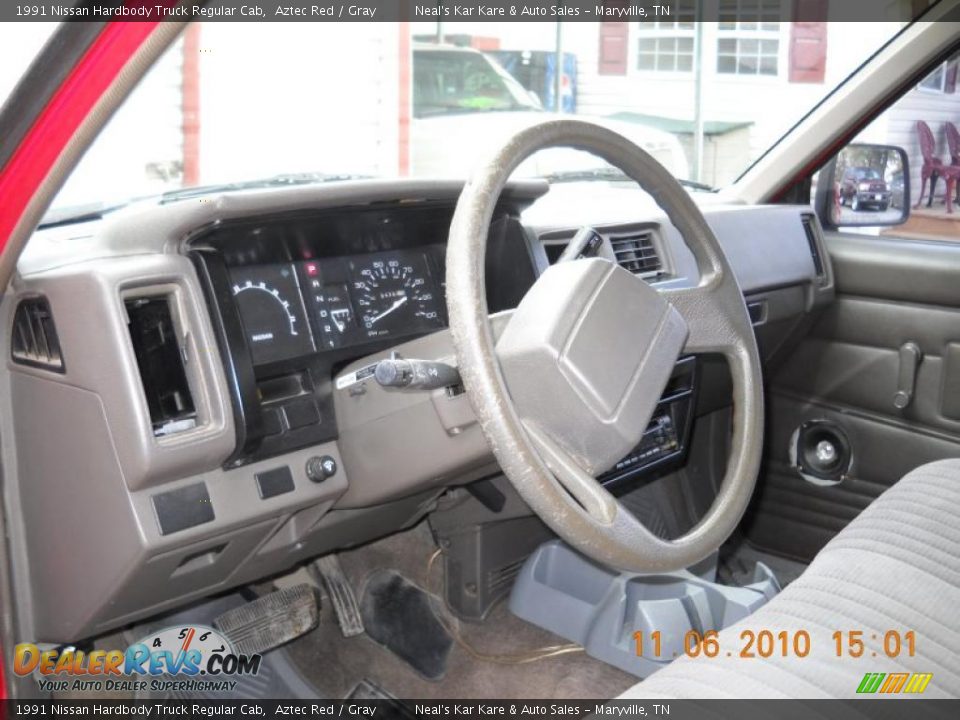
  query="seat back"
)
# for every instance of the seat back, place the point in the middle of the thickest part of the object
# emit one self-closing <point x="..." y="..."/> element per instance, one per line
<point x="953" y="142"/>
<point x="928" y="145"/>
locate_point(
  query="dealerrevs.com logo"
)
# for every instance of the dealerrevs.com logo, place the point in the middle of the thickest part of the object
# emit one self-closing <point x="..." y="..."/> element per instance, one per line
<point x="185" y="658"/>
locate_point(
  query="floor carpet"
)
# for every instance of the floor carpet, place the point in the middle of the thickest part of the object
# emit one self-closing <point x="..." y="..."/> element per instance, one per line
<point x="336" y="664"/>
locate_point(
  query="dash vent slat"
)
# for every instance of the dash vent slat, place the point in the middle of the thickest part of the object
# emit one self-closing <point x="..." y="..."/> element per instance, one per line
<point x="637" y="253"/>
<point x="34" y="339"/>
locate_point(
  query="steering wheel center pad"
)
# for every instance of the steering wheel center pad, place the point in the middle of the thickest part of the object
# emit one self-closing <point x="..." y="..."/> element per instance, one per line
<point x="586" y="356"/>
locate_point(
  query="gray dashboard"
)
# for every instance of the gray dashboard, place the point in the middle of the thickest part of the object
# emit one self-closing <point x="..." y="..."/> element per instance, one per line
<point x="121" y="514"/>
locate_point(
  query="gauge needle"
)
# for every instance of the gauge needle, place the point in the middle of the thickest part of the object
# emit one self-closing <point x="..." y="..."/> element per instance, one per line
<point x="389" y="310"/>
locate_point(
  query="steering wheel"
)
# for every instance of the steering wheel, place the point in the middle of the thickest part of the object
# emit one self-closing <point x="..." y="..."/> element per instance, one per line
<point x="572" y="382"/>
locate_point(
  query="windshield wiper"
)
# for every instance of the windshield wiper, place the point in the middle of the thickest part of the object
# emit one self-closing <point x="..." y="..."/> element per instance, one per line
<point x="276" y="181"/>
<point x="694" y="185"/>
<point x="607" y="173"/>
<point x="612" y="174"/>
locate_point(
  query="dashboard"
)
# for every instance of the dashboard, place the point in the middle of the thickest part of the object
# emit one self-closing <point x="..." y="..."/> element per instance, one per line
<point x="193" y="359"/>
<point x="297" y="296"/>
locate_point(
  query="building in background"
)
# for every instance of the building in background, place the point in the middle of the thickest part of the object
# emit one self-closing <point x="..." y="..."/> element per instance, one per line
<point x="235" y="101"/>
<point x="645" y="70"/>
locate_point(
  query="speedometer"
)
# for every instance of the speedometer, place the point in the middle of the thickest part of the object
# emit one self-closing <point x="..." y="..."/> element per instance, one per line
<point x="394" y="294"/>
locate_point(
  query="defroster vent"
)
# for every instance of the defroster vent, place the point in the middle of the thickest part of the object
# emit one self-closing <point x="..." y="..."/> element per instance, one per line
<point x="35" y="342"/>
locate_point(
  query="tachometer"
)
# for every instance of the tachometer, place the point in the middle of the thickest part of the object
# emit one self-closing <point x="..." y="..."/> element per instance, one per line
<point x="271" y="309"/>
<point x="394" y="295"/>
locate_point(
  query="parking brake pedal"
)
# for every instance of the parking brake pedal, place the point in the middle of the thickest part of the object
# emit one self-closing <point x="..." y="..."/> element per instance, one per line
<point x="271" y="620"/>
<point x="341" y="594"/>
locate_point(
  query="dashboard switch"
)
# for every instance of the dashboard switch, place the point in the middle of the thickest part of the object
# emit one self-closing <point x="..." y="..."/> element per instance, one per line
<point x="320" y="468"/>
<point x="301" y="414"/>
<point x="274" y="482"/>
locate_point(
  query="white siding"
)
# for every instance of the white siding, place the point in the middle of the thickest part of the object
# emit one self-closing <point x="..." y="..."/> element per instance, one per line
<point x="897" y="127"/>
<point x="772" y="104"/>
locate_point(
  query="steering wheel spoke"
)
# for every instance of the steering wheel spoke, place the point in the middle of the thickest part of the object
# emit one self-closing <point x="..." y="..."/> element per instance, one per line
<point x="706" y="311"/>
<point x="570" y="474"/>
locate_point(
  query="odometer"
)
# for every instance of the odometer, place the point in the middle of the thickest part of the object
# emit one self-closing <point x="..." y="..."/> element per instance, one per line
<point x="394" y="294"/>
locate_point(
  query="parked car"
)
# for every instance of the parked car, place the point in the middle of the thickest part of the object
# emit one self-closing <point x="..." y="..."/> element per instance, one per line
<point x="465" y="103"/>
<point x="862" y="188"/>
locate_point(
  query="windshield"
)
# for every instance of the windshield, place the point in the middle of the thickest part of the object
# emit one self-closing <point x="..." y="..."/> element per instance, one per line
<point x="230" y="103"/>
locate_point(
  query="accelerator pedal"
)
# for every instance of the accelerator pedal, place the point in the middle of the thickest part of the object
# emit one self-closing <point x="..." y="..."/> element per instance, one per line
<point x="341" y="594"/>
<point x="272" y="620"/>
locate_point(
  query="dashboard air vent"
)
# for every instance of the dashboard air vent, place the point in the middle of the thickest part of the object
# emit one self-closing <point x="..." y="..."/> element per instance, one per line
<point x="637" y="253"/>
<point x="159" y="359"/>
<point x="811" y="229"/>
<point x="35" y="342"/>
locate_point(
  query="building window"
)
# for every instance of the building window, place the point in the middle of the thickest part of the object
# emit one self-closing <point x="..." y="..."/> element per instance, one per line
<point x="667" y="45"/>
<point x="748" y="37"/>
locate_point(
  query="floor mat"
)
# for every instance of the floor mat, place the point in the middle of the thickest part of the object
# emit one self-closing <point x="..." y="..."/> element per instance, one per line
<point x="336" y="664"/>
<point x="397" y="614"/>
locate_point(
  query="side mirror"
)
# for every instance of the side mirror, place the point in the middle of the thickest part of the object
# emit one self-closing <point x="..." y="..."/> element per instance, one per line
<point x="865" y="186"/>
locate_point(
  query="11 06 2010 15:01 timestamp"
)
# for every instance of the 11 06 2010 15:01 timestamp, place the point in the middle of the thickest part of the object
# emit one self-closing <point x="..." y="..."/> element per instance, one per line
<point x="775" y="643"/>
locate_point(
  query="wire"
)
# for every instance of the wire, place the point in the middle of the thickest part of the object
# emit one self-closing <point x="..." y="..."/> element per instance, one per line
<point x="543" y="653"/>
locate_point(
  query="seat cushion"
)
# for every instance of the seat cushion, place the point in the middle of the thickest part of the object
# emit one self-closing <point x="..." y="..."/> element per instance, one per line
<point x="896" y="567"/>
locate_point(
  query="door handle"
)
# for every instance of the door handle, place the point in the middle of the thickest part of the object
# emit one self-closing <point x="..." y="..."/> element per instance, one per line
<point x="910" y="357"/>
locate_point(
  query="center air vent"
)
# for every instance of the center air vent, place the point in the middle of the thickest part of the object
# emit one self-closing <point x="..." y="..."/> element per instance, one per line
<point x="637" y="253"/>
<point x="35" y="342"/>
<point x="160" y="361"/>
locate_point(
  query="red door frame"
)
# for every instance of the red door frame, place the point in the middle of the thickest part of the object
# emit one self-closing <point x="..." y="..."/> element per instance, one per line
<point x="54" y="126"/>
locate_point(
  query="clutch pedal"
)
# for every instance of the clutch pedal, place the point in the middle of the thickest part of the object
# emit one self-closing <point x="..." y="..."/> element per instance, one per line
<point x="271" y="620"/>
<point x="341" y="594"/>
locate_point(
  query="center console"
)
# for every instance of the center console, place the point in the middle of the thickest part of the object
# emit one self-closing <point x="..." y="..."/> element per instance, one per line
<point x="611" y="613"/>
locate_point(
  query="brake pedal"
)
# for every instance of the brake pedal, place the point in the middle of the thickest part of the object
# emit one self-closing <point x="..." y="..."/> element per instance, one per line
<point x="341" y="594"/>
<point x="271" y="620"/>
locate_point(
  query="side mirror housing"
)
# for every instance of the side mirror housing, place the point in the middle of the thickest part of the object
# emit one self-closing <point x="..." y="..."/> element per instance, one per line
<point x="864" y="186"/>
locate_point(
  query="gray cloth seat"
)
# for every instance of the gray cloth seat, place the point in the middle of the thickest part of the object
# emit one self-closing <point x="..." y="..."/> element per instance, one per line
<point x="895" y="567"/>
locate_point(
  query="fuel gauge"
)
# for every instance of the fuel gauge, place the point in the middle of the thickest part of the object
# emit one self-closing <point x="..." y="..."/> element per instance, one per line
<point x="334" y="315"/>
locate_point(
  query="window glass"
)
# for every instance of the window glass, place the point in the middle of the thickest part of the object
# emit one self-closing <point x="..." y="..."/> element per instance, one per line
<point x="871" y="184"/>
<point x="228" y="103"/>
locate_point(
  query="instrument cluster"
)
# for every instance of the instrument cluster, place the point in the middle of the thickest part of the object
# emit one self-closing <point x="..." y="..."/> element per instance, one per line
<point x="296" y="308"/>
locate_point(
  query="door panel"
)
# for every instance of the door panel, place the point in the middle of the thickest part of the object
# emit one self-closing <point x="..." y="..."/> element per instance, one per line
<point x="846" y="371"/>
